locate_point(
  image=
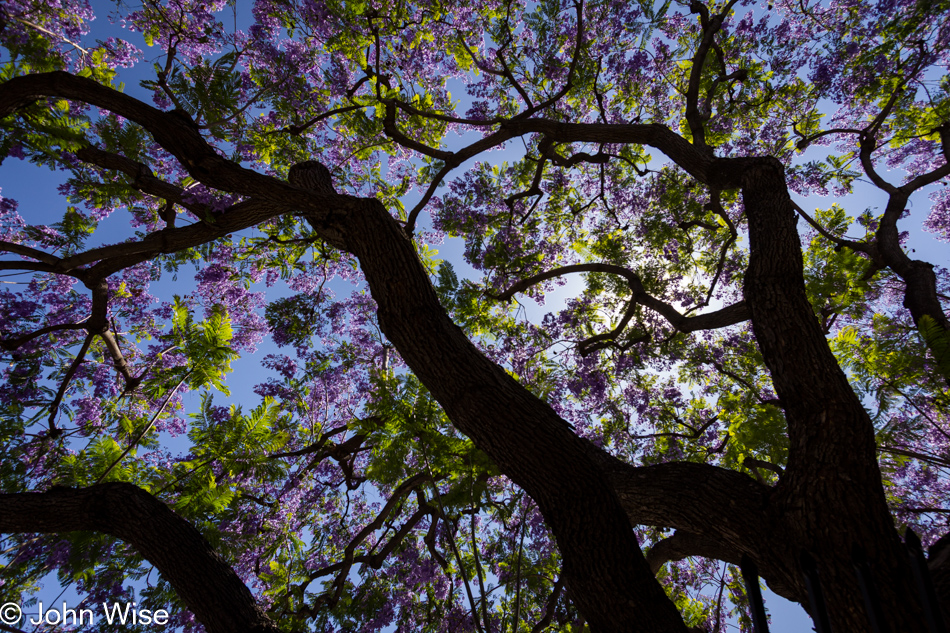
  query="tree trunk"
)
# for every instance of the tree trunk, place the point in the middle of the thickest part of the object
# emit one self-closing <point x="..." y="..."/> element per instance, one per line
<point x="831" y="498"/>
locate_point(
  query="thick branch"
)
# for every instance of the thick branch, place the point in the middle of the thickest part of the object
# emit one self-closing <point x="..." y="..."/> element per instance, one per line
<point x="920" y="293"/>
<point x="683" y="545"/>
<point x="684" y="495"/>
<point x="175" y="132"/>
<point x="697" y="163"/>
<point x="393" y="132"/>
<point x="694" y="118"/>
<point x="867" y="145"/>
<point x="206" y="584"/>
<point x="26" y="251"/>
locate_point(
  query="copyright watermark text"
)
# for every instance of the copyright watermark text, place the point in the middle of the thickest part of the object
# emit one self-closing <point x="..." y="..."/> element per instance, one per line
<point x="114" y="613"/>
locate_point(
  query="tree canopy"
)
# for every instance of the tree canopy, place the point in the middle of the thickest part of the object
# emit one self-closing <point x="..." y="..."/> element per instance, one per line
<point x="734" y="375"/>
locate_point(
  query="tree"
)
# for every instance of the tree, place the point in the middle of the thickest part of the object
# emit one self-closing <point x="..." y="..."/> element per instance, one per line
<point x="724" y="386"/>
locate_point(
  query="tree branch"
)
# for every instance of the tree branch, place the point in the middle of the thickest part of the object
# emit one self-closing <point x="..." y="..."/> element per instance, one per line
<point x="745" y="383"/>
<point x="683" y="545"/>
<point x="26" y="251"/>
<point x="549" y="606"/>
<point x="73" y="367"/>
<point x="930" y="459"/>
<point x="201" y="578"/>
<point x="533" y="190"/>
<point x="569" y="81"/>
<point x="530" y="443"/>
<point x="142" y="177"/>
<point x="730" y="315"/>
<point x="867" y="143"/>
<point x="683" y="495"/>
<point x="393" y="132"/>
<point x="176" y="133"/>
<point x="694" y="117"/>
<point x="13" y="344"/>
<point x="297" y="130"/>
<point x="375" y="560"/>
<point x="860" y="247"/>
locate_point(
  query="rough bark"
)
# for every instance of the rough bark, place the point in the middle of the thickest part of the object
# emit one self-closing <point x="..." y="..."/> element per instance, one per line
<point x="831" y="497"/>
<point x="202" y="579"/>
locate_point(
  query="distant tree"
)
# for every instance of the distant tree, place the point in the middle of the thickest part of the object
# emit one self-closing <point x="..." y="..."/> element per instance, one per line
<point x="739" y="376"/>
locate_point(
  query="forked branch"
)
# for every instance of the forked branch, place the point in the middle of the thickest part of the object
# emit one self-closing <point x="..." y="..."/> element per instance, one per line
<point x="730" y="315"/>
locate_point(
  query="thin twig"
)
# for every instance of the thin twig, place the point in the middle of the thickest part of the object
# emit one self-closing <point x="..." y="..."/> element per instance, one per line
<point x="148" y="426"/>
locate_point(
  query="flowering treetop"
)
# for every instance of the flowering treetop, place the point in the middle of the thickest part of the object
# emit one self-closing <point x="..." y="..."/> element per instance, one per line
<point x="740" y="377"/>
